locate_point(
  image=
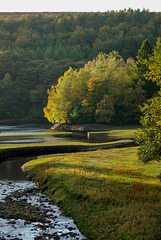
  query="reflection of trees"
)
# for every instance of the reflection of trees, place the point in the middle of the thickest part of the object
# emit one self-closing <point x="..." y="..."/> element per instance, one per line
<point x="12" y="169"/>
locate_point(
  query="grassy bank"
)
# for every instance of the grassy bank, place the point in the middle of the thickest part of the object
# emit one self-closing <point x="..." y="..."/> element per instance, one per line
<point x="48" y="146"/>
<point x="109" y="193"/>
<point x="37" y="135"/>
<point x="37" y="149"/>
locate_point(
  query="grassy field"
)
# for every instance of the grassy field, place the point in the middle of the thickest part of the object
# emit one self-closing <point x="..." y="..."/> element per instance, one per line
<point x="110" y="194"/>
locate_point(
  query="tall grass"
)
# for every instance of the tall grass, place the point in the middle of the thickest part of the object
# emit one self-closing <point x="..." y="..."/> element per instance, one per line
<point x="109" y="193"/>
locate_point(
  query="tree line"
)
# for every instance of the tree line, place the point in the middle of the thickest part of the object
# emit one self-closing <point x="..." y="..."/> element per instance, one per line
<point x="106" y="90"/>
<point x="35" y="51"/>
<point x="79" y="35"/>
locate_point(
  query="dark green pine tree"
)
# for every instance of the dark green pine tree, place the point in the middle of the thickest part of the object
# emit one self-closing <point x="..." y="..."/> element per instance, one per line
<point x="141" y="68"/>
<point x="59" y="51"/>
<point x="145" y="51"/>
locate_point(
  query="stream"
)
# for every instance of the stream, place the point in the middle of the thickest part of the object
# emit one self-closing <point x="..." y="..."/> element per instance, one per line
<point x="26" y="213"/>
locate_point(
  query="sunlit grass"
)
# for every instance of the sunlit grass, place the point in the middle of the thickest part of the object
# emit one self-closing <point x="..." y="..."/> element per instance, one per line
<point x="120" y="132"/>
<point x="109" y="193"/>
<point x="10" y="146"/>
<point x="123" y="132"/>
<point x="45" y="134"/>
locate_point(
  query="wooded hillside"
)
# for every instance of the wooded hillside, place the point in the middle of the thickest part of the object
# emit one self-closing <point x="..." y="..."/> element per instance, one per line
<point x="35" y="50"/>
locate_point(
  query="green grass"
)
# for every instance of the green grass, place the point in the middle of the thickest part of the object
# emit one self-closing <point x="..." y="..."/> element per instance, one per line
<point x="28" y="145"/>
<point x="36" y="149"/>
<point x="125" y="132"/>
<point x="47" y="134"/>
<point x="109" y="193"/>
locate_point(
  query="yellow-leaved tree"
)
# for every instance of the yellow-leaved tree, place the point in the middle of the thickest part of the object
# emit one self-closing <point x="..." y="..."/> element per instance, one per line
<point x="99" y="92"/>
<point x="69" y="91"/>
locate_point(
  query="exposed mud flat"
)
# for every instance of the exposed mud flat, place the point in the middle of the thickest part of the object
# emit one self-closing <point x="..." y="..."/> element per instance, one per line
<point x="27" y="214"/>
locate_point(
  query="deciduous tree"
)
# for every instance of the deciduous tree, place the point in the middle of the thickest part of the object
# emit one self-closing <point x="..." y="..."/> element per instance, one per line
<point x="149" y="137"/>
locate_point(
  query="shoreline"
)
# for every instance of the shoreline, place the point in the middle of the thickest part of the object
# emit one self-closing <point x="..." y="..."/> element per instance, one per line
<point x="92" y="127"/>
<point x="119" y="137"/>
<point x="30" y="151"/>
<point x="42" y="219"/>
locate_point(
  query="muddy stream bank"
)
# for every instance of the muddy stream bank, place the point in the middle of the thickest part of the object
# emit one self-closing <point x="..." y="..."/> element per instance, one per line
<point x="25" y="212"/>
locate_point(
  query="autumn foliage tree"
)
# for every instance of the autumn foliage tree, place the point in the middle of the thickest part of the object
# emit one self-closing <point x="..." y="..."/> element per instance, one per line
<point x="66" y="95"/>
<point x="91" y="94"/>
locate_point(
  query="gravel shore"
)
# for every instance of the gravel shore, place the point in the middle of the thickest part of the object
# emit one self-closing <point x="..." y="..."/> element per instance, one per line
<point x="27" y="214"/>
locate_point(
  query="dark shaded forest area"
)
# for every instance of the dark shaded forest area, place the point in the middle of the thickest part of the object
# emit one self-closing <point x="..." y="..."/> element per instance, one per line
<point x="35" y="50"/>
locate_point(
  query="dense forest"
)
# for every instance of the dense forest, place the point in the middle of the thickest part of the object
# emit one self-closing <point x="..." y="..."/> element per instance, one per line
<point x="36" y="50"/>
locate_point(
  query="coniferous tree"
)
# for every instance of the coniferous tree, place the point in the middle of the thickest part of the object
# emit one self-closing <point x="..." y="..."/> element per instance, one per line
<point x="140" y="70"/>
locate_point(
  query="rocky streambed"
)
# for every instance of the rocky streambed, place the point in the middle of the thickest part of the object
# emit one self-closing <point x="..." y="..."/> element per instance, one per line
<point x="27" y="214"/>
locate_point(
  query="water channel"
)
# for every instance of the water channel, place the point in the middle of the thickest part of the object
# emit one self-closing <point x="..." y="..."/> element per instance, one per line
<point x="26" y="213"/>
<point x="15" y="135"/>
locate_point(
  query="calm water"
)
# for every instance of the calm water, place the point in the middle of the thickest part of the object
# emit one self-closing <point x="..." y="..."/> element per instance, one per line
<point x="7" y="132"/>
<point x="23" y="129"/>
<point x="11" y="169"/>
